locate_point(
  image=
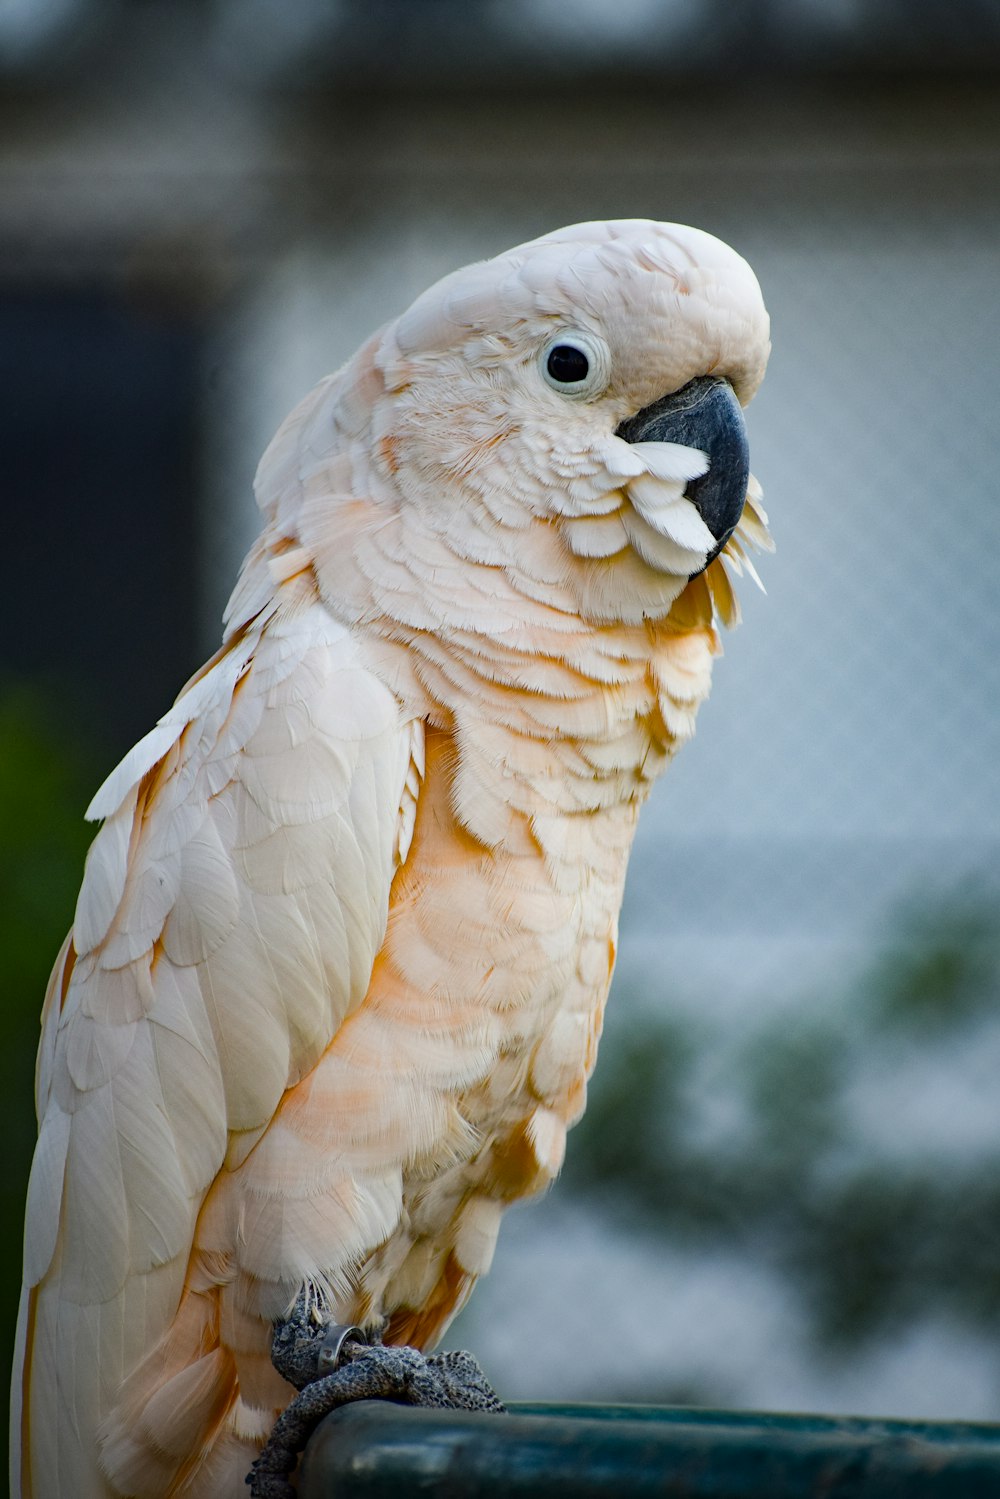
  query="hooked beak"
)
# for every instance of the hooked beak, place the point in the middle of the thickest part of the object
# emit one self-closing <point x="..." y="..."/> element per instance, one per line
<point x="703" y="414"/>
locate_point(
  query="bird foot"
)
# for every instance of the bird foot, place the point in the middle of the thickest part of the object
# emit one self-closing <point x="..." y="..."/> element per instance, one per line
<point x="332" y="1365"/>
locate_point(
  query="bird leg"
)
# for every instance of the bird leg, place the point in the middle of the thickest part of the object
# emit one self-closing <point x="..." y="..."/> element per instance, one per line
<point x="331" y="1365"/>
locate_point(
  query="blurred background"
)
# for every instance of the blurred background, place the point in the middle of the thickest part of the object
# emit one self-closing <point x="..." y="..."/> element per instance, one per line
<point x="786" y="1191"/>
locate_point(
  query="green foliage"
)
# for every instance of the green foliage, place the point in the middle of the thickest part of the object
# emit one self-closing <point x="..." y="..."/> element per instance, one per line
<point x="941" y="968"/>
<point x="43" y="839"/>
<point x="643" y="1087"/>
<point x="870" y="1235"/>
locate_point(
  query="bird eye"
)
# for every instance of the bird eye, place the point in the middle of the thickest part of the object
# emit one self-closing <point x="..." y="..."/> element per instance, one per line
<point x="567" y="364"/>
<point x="575" y="364"/>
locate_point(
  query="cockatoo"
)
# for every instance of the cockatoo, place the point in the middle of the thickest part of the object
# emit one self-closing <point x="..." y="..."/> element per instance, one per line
<point x="337" y="970"/>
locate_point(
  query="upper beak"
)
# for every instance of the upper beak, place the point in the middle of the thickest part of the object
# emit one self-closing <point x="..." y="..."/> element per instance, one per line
<point x="703" y="414"/>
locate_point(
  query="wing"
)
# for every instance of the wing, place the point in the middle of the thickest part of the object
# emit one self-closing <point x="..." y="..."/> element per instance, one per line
<point x="231" y="909"/>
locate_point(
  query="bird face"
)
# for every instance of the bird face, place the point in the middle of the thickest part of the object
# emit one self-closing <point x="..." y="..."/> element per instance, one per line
<point x="561" y="425"/>
<point x="597" y="372"/>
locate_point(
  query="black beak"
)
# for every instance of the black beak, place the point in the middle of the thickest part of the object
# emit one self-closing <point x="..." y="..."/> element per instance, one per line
<point x="703" y="414"/>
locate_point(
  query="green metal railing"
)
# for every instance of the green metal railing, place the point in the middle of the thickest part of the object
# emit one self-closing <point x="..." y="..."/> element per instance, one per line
<point x="379" y="1450"/>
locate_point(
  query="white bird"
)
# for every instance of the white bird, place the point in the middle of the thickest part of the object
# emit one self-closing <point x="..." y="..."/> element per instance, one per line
<point x="337" y="971"/>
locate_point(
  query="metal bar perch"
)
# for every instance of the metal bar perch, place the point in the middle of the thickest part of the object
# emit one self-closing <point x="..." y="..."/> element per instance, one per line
<point x="377" y="1449"/>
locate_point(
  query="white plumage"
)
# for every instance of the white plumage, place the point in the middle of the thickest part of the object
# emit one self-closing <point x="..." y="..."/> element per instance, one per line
<point x="337" y="970"/>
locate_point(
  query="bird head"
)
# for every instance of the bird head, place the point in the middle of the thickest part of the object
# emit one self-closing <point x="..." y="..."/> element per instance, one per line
<point x="586" y="388"/>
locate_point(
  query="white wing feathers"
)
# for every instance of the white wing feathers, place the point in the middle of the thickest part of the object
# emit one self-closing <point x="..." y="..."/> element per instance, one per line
<point x="232" y="907"/>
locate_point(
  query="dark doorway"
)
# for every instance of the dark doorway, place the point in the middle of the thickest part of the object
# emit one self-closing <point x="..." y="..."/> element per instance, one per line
<point x="98" y="398"/>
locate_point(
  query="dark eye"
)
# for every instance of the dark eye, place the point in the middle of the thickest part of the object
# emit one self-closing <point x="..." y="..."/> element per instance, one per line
<point x="576" y="363"/>
<point x="567" y="365"/>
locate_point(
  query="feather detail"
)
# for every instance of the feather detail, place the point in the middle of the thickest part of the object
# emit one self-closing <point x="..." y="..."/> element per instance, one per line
<point x="724" y="600"/>
<point x="104" y="878"/>
<point x="658" y="547"/>
<point x="693" y="609"/>
<point x="45" y="1191"/>
<point x="751" y="532"/>
<point x="137" y="763"/>
<point x="665" y="509"/>
<point x="476" y="1234"/>
<point x="597" y="536"/>
<point x="671" y="462"/>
